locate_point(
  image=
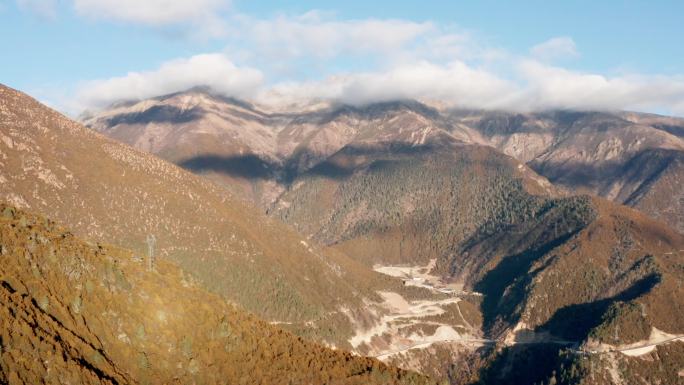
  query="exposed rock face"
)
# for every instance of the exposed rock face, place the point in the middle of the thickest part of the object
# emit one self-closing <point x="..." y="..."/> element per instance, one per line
<point x="630" y="158"/>
<point x="73" y="312"/>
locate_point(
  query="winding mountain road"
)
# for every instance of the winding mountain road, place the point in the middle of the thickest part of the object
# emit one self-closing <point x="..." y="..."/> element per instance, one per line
<point x="419" y="276"/>
<point x="635" y="350"/>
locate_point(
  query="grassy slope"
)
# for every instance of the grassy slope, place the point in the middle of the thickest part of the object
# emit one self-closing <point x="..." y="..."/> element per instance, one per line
<point x="93" y="314"/>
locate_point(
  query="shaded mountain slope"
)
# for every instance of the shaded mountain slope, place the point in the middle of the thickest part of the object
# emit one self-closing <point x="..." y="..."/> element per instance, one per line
<point x="563" y="271"/>
<point x="75" y="312"/>
<point x="571" y="291"/>
<point x="108" y="191"/>
<point x="490" y="224"/>
<point x="388" y="202"/>
<point x="630" y="158"/>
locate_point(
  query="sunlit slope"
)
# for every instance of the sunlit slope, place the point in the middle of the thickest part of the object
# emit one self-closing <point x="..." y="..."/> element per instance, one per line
<point x="75" y="312"/>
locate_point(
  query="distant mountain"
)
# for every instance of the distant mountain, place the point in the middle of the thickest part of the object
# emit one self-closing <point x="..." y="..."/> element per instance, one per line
<point x="630" y="158"/>
<point x="83" y="313"/>
<point x="207" y="134"/>
<point x="251" y="151"/>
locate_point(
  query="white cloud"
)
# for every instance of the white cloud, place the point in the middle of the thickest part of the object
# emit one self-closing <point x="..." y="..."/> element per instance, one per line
<point x="316" y="45"/>
<point x="152" y="12"/>
<point x="547" y="87"/>
<point x="198" y="18"/>
<point x="455" y="83"/>
<point x="42" y="8"/>
<point x="678" y="108"/>
<point x="214" y="70"/>
<point x="555" y="48"/>
<point x="534" y="86"/>
<point x="315" y="35"/>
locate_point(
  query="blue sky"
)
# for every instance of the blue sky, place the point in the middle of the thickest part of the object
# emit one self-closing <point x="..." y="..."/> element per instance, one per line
<point x="522" y="55"/>
<point x="646" y="35"/>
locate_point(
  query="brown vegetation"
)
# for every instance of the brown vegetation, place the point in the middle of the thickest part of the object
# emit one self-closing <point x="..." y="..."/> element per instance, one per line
<point x="81" y="313"/>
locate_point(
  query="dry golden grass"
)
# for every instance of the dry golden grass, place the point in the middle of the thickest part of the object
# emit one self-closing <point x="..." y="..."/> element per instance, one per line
<point x="91" y="313"/>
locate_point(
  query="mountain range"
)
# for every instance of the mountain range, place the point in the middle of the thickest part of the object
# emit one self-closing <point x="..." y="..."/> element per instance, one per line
<point x="630" y="158"/>
<point x="472" y="246"/>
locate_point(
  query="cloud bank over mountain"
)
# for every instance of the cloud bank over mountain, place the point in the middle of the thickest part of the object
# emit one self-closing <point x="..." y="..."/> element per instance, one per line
<point x="215" y="70"/>
<point x="534" y="85"/>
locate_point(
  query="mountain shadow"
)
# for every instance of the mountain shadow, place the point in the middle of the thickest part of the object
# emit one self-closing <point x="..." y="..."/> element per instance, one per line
<point x="671" y="129"/>
<point x="157" y="114"/>
<point x="574" y="322"/>
<point x="243" y="166"/>
<point x="522" y="364"/>
<point x="337" y="166"/>
<point x="641" y="169"/>
<point x="504" y="286"/>
<point x="544" y="363"/>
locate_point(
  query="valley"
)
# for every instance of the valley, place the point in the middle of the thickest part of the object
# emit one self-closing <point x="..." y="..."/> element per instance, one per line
<point x="226" y="192"/>
<point x="427" y="249"/>
<point x="414" y="313"/>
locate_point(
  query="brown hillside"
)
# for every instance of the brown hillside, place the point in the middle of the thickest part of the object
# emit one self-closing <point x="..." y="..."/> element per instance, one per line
<point x="73" y="312"/>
